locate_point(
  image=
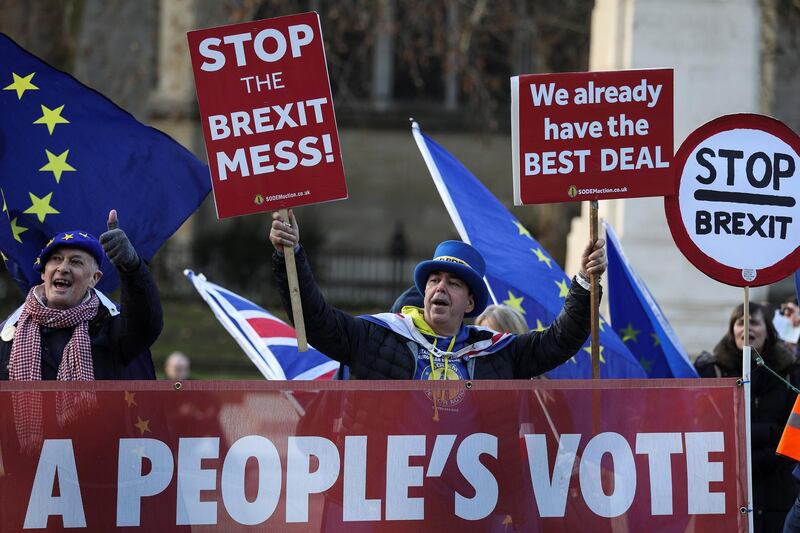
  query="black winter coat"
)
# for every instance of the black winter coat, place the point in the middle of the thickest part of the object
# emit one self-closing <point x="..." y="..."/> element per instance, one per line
<point x="774" y="486"/>
<point x="117" y="340"/>
<point x="374" y="352"/>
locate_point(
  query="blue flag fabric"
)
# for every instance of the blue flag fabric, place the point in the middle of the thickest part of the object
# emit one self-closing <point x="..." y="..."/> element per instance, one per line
<point x="519" y="272"/>
<point x="797" y="285"/>
<point x="68" y="155"/>
<point x="638" y="320"/>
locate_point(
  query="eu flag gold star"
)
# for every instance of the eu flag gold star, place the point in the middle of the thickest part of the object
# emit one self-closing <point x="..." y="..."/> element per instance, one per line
<point x="629" y="334"/>
<point x="647" y="364"/>
<point x="522" y="230"/>
<point x="57" y="164"/>
<point x="68" y="237"/>
<point x="515" y="302"/>
<point x="51" y="117"/>
<point x="542" y="258"/>
<point x="41" y="207"/>
<point x="17" y="230"/>
<point x="539" y="326"/>
<point x="588" y="350"/>
<point x="5" y="257"/>
<point x="563" y="288"/>
<point x="5" y="206"/>
<point x="602" y="324"/>
<point x="656" y="340"/>
<point x="21" y="84"/>
<point x="130" y="398"/>
<point x="142" y="425"/>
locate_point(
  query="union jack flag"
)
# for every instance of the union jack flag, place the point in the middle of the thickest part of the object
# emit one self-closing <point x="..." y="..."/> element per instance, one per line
<point x="268" y="341"/>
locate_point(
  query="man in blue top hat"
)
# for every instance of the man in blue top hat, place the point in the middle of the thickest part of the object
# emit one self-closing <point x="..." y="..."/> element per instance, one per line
<point x="67" y="330"/>
<point x="432" y="342"/>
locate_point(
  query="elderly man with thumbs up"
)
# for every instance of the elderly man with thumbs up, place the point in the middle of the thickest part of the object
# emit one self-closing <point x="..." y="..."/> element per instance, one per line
<point x="67" y="330"/>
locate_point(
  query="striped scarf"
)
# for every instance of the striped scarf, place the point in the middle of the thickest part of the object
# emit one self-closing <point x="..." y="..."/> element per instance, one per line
<point x="26" y="364"/>
<point x="26" y="352"/>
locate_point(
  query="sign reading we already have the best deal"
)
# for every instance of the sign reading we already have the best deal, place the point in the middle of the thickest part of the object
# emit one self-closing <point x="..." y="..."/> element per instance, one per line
<point x="592" y="135"/>
<point x="267" y="113"/>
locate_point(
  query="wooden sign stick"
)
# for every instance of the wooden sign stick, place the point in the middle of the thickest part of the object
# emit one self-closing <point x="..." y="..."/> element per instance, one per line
<point x="294" y="292"/>
<point x="595" y="296"/>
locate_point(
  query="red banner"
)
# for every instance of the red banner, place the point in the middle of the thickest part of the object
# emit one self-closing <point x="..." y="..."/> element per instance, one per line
<point x="267" y="114"/>
<point x="591" y="135"/>
<point x="625" y="455"/>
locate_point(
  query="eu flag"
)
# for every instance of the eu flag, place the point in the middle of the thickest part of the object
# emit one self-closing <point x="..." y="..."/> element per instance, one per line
<point x="519" y="272"/>
<point x="797" y="285"/>
<point x="638" y="319"/>
<point x="68" y="155"/>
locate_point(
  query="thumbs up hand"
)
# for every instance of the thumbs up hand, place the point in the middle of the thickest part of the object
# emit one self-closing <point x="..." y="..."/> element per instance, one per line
<point x="117" y="246"/>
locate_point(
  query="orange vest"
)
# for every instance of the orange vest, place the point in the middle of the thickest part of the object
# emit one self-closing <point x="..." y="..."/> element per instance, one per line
<point x="790" y="440"/>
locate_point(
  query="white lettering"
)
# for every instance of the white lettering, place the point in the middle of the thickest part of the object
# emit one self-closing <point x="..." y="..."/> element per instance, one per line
<point x="56" y="460"/>
<point x="269" y="480"/>
<point x="624" y="475"/>
<point x="551" y="495"/>
<point x="400" y="476"/>
<point x="300" y="481"/>
<point x="193" y="479"/>
<point x="486" y="491"/>
<point x="356" y="505"/>
<point x="239" y="161"/>
<point x="700" y="472"/>
<point x="132" y="486"/>
<point x="211" y="53"/>
<point x="659" y="448"/>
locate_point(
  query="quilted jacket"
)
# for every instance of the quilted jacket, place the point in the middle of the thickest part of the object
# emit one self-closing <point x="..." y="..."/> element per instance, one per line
<point x="374" y="352"/>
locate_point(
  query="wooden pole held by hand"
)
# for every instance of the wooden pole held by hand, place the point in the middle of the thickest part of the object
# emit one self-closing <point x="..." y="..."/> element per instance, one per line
<point x="294" y="292"/>
<point x="595" y="296"/>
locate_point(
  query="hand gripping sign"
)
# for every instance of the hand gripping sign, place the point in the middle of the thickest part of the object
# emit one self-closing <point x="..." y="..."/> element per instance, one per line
<point x="267" y="114"/>
<point x="735" y="215"/>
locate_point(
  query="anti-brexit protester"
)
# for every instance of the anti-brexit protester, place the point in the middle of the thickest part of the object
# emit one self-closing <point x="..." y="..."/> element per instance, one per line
<point x="67" y="330"/>
<point x="432" y="342"/>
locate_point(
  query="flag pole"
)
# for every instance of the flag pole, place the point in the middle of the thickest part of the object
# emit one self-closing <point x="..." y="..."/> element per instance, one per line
<point x="746" y="375"/>
<point x="595" y="295"/>
<point x="294" y="292"/>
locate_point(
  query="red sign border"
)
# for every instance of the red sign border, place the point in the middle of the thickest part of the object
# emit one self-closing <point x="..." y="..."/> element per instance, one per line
<point x="516" y="143"/>
<point x="281" y="203"/>
<point x="702" y="261"/>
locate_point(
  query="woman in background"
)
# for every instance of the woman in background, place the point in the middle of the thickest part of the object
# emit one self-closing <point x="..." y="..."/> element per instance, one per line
<point x="771" y="403"/>
<point x="502" y="318"/>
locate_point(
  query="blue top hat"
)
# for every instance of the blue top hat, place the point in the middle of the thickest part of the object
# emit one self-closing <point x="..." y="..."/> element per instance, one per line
<point x="464" y="261"/>
<point x="70" y="239"/>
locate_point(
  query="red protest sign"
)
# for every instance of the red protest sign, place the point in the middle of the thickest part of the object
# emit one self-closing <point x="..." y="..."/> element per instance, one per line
<point x="735" y="212"/>
<point x="267" y="113"/>
<point x="386" y="456"/>
<point x="591" y="135"/>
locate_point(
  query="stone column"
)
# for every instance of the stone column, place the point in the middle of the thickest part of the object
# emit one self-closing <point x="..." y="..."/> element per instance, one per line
<point x="173" y="107"/>
<point x="714" y="47"/>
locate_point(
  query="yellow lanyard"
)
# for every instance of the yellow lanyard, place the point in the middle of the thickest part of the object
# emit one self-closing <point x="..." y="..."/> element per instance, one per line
<point x="446" y="358"/>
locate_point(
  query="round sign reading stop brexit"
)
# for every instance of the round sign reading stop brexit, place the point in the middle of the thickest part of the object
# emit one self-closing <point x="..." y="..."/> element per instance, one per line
<point x="736" y="215"/>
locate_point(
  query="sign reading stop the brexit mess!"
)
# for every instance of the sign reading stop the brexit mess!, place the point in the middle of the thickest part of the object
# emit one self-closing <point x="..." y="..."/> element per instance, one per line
<point x="735" y="215"/>
<point x="591" y="135"/>
<point x="267" y="113"/>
